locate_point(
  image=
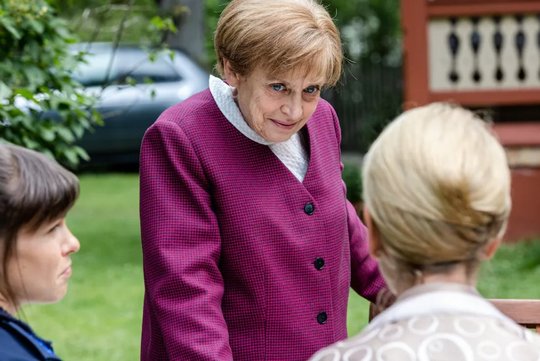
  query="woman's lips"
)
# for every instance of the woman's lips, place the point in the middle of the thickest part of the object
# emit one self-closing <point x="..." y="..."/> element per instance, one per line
<point x="66" y="273"/>
<point x="283" y="125"/>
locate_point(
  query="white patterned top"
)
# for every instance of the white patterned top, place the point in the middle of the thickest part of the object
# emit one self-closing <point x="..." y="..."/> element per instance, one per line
<point x="291" y="153"/>
<point x="438" y="322"/>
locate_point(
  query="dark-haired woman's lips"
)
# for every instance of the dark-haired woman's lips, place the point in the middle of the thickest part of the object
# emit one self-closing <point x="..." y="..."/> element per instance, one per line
<point x="66" y="273"/>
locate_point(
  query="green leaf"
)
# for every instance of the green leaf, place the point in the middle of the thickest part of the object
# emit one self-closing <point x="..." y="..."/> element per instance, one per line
<point x="48" y="134"/>
<point x="152" y="56"/>
<point x="131" y="81"/>
<point x="5" y="91"/>
<point x="157" y="22"/>
<point x="81" y="153"/>
<point x="8" y="25"/>
<point x="47" y="152"/>
<point x="65" y="134"/>
<point x="78" y="130"/>
<point x="30" y="143"/>
<point x="34" y="76"/>
<point x="25" y="93"/>
<point x="71" y="155"/>
<point x="37" y="26"/>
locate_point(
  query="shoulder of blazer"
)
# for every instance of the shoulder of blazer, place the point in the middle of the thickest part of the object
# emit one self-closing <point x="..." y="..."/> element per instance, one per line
<point x="26" y="339"/>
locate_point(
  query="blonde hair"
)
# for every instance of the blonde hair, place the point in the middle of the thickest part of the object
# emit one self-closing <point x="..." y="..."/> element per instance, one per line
<point x="280" y="36"/>
<point x="437" y="186"/>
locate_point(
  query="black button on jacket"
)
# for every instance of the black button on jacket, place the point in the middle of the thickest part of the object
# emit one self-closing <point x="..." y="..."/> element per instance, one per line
<point x="309" y="208"/>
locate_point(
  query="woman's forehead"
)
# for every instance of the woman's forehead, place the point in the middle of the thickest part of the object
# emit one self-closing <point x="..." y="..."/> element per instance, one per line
<point x="296" y="75"/>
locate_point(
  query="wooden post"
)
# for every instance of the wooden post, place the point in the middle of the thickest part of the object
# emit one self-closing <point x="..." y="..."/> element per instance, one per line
<point x="415" y="60"/>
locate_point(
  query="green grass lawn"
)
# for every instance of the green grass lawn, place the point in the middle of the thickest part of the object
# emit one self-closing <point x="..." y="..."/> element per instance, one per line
<point x="100" y="318"/>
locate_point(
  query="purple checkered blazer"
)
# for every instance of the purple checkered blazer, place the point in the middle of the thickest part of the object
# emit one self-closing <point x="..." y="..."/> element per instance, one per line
<point x="241" y="260"/>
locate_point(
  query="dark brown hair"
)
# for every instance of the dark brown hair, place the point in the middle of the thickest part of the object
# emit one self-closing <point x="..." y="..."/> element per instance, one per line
<point x="34" y="189"/>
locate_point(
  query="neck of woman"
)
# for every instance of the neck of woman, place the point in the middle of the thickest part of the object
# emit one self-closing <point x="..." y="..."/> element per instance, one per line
<point x="460" y="273"/>
<point x="7" y="306"/>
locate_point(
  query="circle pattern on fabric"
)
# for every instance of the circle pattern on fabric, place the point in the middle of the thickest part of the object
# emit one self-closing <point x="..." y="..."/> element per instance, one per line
<point x="361" y="353"/>
<point x="423" y="325"/>
<point x="488" y="350"/>
<point x="469" y="327"/>
<point x="390" y="332"/>
<point x="444" y="338"/>
<point x="436" y="346"/>
<point x="519" y="351"/>
<point x="395" y="351"/>
<point x="450" y="343"/>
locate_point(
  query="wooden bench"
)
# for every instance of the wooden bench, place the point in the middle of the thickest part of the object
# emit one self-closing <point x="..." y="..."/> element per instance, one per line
<point x="523" y="311"/>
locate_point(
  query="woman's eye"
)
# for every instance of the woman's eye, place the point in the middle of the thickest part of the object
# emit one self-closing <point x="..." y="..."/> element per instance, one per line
<point x="311" y="89"/>
<point x="278" y="87"/>
<point x="55" y="227"/>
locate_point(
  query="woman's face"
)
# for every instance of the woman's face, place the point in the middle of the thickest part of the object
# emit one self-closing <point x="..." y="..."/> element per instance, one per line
<point x="40" y="267"/>
<point x="275" y="107"/>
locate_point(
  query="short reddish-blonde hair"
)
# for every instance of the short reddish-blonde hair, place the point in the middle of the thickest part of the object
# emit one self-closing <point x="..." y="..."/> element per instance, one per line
<point x="280" y="36"/>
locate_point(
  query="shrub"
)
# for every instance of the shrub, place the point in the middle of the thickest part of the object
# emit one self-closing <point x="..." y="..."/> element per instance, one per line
<point x="41" y="106"/>
<point x="352" y="177"/>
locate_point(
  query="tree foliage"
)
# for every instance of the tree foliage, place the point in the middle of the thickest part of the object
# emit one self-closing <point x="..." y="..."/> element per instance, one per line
<point x="370" y="28"/>
<point x="126" y="21"/>
<point x="41" y="106"/>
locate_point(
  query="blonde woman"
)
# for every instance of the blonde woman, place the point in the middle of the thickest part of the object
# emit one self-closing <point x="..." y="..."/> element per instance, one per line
<point x="249" y="244"/>
<point x="437" y="193"/>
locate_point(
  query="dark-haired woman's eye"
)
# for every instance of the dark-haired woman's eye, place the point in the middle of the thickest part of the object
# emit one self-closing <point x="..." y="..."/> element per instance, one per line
<point x="55" y="226"/>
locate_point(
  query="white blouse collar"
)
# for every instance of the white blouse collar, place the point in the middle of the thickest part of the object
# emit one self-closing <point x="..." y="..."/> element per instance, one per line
<point x="432" y="299"/>
<point x="223" y="95"/>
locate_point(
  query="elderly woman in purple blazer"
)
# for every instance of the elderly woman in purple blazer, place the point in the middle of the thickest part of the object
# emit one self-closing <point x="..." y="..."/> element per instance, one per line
<point x="249" y="243"/>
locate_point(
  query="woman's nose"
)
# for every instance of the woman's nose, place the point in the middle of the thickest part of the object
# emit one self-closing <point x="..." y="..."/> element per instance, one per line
<point x="293" y="108"/>
<point x="72" y="245"/>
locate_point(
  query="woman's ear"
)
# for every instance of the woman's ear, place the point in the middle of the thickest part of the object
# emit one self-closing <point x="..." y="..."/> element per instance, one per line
<point x="375" y="247"/>
<point x="231" y="77"/>
<point x="490" y="248"/>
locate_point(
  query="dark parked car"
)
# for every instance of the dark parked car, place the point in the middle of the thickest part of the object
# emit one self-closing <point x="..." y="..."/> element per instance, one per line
<point x="133" y="90"/>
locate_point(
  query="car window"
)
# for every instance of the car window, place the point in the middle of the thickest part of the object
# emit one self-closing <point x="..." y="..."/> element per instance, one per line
<point x="97" y="71"/>
<point x="159" y="71"/>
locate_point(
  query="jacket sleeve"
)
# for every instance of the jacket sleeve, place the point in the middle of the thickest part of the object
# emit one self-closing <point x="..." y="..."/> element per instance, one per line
<point x="182" y="317"/>
<point x="366" y="279"/>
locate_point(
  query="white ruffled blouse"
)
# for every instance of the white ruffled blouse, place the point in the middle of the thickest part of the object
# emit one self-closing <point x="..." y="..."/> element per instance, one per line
<point x="291" y="153"/>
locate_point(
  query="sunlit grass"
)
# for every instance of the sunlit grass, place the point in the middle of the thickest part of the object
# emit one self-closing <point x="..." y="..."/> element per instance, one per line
<point x="100" y="318"/>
